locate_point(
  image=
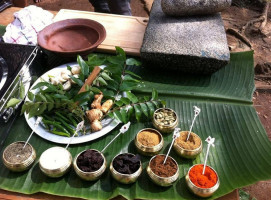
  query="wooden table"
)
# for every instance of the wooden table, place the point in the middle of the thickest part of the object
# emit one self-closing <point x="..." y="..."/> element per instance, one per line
<point x="124" y="31"/>
<point x="137" y="25"/>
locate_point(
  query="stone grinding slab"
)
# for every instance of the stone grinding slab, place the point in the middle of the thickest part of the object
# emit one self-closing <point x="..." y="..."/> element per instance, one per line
<point x="195" y="44"/>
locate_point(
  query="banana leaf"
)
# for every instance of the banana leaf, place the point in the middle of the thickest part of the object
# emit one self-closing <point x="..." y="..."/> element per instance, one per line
<point x="242" y="154"/>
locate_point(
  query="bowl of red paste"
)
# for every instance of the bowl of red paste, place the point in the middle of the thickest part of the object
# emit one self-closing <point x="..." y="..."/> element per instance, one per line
<point x="203" y="185"/>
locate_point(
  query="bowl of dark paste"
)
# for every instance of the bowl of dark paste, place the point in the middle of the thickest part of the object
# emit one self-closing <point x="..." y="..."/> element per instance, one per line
<point x="89" y="164"/>
<point x="126" y="168"/>
<point x="72" y="37"/>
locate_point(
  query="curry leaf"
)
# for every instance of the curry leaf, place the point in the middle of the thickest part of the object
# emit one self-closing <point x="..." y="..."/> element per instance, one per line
<point x="128" y="85"/>
<point x="83" y="65"/>
<point x="144" y="108"/>
<point x="77" y="81"/>
<point x="132" y="97"/>
<point x="48" y="85"/>
<point x="117" y="116"/>
<point x="132" y="61"/>
<point x="106" y="76"/>
<point x="138" y="112"/>
<point x="151" y="108"/>
<point x="129" y="78"/>
<point x="30" y="96"/>
<point x="125" y="100"/>
<point x="13" y="102"/>
<point x="102" y="81"/>
<point x="132" y="74"/>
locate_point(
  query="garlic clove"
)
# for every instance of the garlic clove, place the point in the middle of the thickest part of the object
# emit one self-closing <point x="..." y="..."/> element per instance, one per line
<point x="76" y="70"/>
<point x="61" y="80"/>
<point x="65" y="74"/>
<point x="75" y="76"/>
<point x="54" y="80"/>
<point x="67" y="85"/>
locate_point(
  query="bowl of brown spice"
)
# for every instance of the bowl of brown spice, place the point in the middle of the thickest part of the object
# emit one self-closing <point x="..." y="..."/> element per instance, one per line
<point x="163" y="174"/>
<point x="188" y="148"/>
<point x="165" y="120"/>
<point x="89" y="164"/>
<point x="126" y="168"/>
<point x="18" y="158"/>
<point x="149" y="142"/>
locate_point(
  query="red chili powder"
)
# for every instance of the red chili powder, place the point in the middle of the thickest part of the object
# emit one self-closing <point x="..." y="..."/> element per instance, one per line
<point x="207" y="180"/>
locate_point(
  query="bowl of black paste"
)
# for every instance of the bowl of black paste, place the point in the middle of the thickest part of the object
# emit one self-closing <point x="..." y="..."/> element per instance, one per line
<point x="126" y="168"/>
<point x="89" y="164"/>
<point x="17" y="157"/>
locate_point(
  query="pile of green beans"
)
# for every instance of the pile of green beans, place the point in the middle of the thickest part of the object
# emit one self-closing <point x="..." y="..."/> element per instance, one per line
<point x="60" y="124"/>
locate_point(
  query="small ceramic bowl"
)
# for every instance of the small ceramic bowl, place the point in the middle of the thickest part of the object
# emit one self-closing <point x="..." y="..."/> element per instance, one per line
<point x="162" y="127"/>
<point x="162" y="181"/>
<point x="56" y="155"/>
<point x="186" y="153"/>
<point x="22" y="166"/>
<point x="149" y="151"/>
<point x="89" y="176"/>
<point x="125" y="178"/>
<point x="72" y="37"/>
<point x="201" y="192"/>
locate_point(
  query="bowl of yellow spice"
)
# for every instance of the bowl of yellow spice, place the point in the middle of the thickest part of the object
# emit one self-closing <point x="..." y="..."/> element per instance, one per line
<point x="149" y="142"/>
<point x="188" y="148"/>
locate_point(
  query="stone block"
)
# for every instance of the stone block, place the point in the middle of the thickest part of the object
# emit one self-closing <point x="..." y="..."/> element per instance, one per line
<point x="189" y="44"/>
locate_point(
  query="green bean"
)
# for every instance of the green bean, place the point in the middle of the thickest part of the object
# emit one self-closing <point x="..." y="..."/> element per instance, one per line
<point x="55" y="124"/>
<point x="47" y="117"/>
<point x="67" y="126"/>
<point x="60" y="133"/>
<point x="72" y="120"/>
<point x="62" y="117"/>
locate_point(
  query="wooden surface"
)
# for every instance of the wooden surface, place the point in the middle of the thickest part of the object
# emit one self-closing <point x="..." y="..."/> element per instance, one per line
<point x="5" y="195"/>
<point x="124" y="31"/>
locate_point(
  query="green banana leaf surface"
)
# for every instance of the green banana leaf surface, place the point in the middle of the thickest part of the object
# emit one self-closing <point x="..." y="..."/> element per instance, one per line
<point x="242" y="153"/>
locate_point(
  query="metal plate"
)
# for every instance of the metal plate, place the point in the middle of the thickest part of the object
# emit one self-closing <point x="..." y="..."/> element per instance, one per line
<point x="108" y="123"/>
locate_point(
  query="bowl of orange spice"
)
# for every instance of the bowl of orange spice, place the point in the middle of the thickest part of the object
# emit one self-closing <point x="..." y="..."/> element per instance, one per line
<point x="203" y="185"/>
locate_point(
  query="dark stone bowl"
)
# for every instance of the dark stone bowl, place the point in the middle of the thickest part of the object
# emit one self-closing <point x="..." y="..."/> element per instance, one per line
<point x="72" y="37"/>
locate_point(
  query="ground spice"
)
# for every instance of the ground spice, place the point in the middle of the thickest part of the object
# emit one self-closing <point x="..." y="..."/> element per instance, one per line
<point x="126" y="163"/>
<point x="148" y="138"/>
<point x="90" y="161"/>
<point x="193" y="142"/>
<point x="163" y="170"/>
<point x="15" y="153"/>
<point x="207" y="180"/>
